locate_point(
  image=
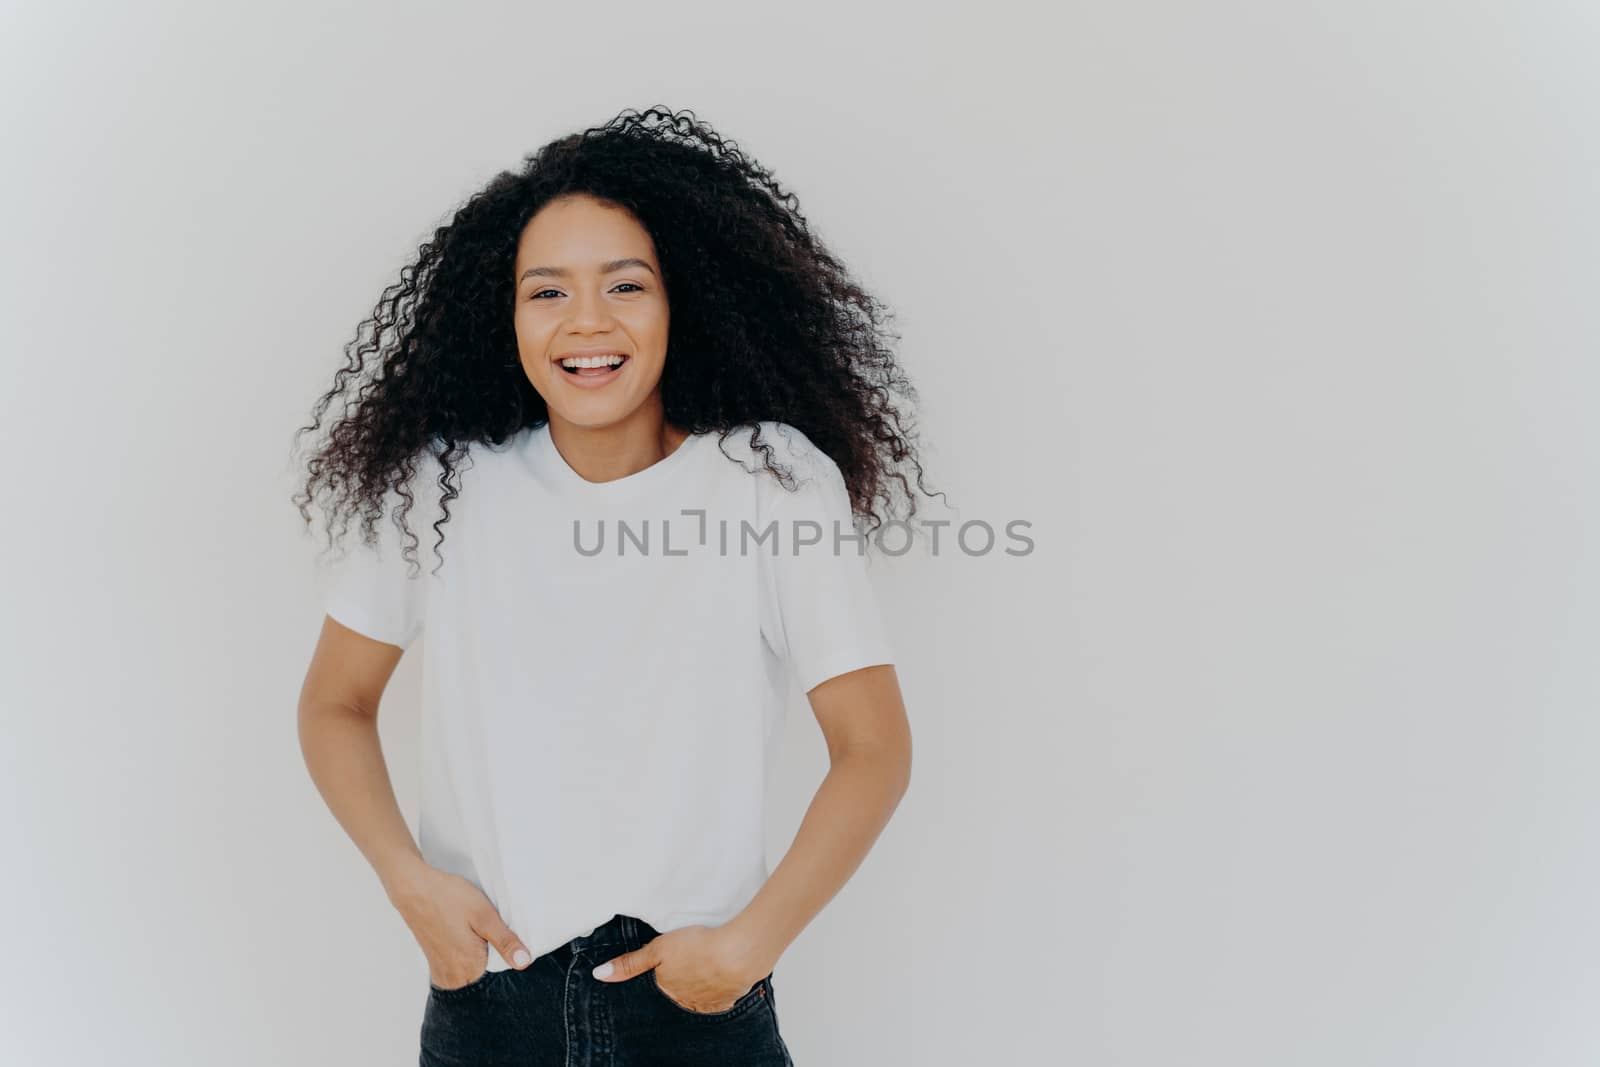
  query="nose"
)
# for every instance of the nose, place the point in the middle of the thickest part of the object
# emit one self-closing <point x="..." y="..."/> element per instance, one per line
<point x="589" y="315"/>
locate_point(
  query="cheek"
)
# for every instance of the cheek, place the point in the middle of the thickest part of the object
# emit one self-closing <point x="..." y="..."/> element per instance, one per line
<point x="650" y="325"/>
<point x="532" y="329"/>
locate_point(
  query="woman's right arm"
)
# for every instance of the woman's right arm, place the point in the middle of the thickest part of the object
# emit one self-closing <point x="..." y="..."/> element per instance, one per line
<point x="339" y="739"/>
<point x="338" y="721"/>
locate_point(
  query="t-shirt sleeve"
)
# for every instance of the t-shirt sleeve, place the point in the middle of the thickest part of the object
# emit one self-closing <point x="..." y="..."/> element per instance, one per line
<point x="373" y="589"/>
<point x="818" y="609"/>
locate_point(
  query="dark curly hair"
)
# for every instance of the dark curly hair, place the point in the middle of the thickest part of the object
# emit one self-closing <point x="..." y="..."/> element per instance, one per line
<point x="767" y="325"/>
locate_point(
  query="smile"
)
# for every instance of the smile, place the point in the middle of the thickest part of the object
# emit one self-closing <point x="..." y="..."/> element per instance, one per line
<point x="593" y="370"/>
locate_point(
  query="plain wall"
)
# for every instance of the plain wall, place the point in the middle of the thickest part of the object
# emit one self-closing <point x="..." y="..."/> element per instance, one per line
<point x="1276" y="320"/>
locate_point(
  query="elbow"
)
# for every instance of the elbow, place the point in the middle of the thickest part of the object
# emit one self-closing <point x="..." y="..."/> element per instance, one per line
<point x="887" y="763"/>
<point x="903" y="771"/>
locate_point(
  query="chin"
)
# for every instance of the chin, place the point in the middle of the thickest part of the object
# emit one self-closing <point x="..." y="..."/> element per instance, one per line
<point x="593" y="416"/>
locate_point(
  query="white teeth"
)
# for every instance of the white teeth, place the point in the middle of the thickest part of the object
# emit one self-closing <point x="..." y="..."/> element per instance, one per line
<point x="591" y="361"/>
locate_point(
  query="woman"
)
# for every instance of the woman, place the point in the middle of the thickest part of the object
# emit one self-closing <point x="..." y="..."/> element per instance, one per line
<point x="645" y="406"/>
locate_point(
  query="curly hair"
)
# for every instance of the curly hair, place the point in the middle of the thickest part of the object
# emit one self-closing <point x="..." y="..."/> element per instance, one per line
<point x="766" y="325"/>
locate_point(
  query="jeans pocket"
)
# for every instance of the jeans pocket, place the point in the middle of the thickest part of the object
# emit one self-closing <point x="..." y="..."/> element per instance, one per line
<point x="477" y="984"/>
<point x="756" y="996"/>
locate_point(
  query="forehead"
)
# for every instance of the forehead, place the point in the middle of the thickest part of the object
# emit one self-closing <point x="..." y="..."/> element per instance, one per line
<point x="581" y="232"/>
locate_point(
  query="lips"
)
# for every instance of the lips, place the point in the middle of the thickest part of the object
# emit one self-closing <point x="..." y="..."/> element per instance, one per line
<point x="599" y="374"/>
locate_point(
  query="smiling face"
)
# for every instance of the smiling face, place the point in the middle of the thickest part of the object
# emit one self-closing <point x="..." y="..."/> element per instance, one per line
<point x="589" y="288"/>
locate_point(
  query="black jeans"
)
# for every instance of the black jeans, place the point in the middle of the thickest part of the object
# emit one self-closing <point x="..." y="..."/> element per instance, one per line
<point x="554" y="1012"/>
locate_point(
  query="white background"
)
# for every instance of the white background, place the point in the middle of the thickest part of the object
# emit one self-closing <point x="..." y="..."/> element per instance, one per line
<point x="1277" y="320"/>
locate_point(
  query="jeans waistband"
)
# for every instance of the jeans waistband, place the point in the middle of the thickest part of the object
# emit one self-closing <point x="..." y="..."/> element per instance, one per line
<point x="619" y="934"/>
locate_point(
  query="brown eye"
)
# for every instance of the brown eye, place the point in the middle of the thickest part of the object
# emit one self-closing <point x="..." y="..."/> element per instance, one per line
<point x="541" y="292"/>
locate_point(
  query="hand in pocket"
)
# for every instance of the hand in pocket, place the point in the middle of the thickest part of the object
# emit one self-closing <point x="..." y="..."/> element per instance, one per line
<point x="455" y="923"/>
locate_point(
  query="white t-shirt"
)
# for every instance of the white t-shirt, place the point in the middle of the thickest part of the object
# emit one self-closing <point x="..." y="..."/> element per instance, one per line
<point x="598" y="727"/>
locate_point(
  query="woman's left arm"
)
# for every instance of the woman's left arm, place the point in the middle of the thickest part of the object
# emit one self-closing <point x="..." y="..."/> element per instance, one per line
<point x="863" y="718"/>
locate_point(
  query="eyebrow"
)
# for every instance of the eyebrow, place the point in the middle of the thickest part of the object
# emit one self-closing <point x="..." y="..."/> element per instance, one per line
<point x="605" y="268"/>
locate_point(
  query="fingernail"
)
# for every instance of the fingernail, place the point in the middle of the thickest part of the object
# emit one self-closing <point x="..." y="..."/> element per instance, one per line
<point x="604" y="970"/>
<point x="521" y="958"/>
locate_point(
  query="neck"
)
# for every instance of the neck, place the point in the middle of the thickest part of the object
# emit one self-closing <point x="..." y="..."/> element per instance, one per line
<point x="606" y="453"/>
